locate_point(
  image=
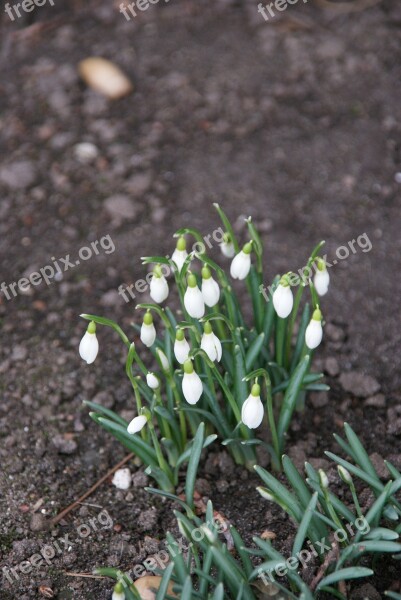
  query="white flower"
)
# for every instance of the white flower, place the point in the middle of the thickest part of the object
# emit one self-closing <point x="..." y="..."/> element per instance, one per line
<point x="165" y="365"/>
<point x="192" y="387"/>
<point x="322" y="278"/>
<point x="324" y="480"/>
<point x="122" y="479"/>
<point x="193" y="299"/>
<point x="181" y="347"/>
<point x="137" y="424"/>
<point x="152" y="381"/>
<point x="227" y="247"/>
<point x="283" y="300"/>
<point x="210" y="288"/>
<point x="180" y="253"/>
<point x="241" y="263"/>
<point x="211" y="344"/>
<point x="148" y="331"/>
<point x="117" y="594"/>
<point x="89" y="346"/>
<point x="158" y="286"/>
<point x="314" y="331"/>
<point x="252" y="409"/>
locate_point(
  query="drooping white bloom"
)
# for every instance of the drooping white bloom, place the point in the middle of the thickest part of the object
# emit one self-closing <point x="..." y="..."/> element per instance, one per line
<point x="152" y="381"/>
<point x="283" y="299"/>
<point x="322" y="278"/>
<point x="227" y="247"/>
<point x="118" y="593"/>
<point x="158" y="286"/>
<point x="241" y="263"/>
<point x="314" y="331"/>
<point x="324" y="480"/>
<point x="148" y="331"/>
<point x="193" y="299"/>
<point x="89" y="346"/>
<point x="165" y="365"/>
<point x="192" y="387"/>
<point x="210" y="288"/>
<point x="180" y="253"/>
<point x="252" y="409"/>
<point x="211" y="344"/>
<point x="137" y="424"/>
<point x="122" y="479"/>
<point x="181" y="347"/>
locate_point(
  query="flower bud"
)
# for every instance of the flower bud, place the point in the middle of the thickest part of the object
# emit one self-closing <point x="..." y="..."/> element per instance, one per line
<point x="137" y="424"/>
<point x="252" y="409"/>
<point x="158" y="286"/>
<point x="314" y="331"/>
<point x="227" y="247"/>
<point x="210" y="288"/>
<point x="152" y="381"/>
<point x="148" y="331"/>
<point x="118" y="593"/>
<point x="322" y="278"/>
<point x="180" y="253"/>
<point x="241" y="263"/>
<point x="181" y="347"/>
<point x="89" y="346"/>
<point x="193" y="299"/>
<point x="192" y="387"/>
<point x="211" y="344"/>
<point x="283" y="300"/>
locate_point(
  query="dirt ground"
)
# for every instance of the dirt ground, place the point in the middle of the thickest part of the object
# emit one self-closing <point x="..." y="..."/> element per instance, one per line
<point x="296" y="121"/>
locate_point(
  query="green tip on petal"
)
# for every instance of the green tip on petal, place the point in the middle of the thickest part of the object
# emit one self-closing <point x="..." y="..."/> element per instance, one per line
<point x="91" y="327"/>
<point x="181" y="243"/>
<point x="157" y="271"/>
<point x="321" y="265"/>
<point x="247" y="249"/>
<point x="284" y="281"/>
<point x="206" y="274"/>
<point x="208" y="327"/>
<point x="188" y="367"/>
<point x="227" y="238"/>
<point x="192" y="281"/>
<point x="148" y="319"/>
<point x="180" y="335"/>
<point x="317" y="314"/>
<point x="255" y="391"/>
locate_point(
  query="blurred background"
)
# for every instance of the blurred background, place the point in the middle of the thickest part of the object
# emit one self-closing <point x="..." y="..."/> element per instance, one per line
<point x="295" y="121"/>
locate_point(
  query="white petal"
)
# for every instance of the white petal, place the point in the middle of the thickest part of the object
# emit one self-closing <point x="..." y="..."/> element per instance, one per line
<point x="321" y="282"/>
<point x="227" y="249"/>
<point x="240" y="265"/>
<point x="210" y="291"/>
<point x="137" y="424"/>
<point x="192" y="387"/>
<point x="152" y="381"/>
<point x="283" y="300"/>
<point x="163" y="360"/>
<point x="122" y="479"/>
<point x="181" y="350"/>
<point x="313" y="334"/>
<point x="252" y="412"/>
<point x="194" y="303"/>
<point x="158" y="289"/>
<point x="219" y="349"/>
<point x="148" y="334"/>
<point x="118" y="596"/>
<point x="179" y="257"/>
<point x="89" y="347"/>
<point x="208" y="345"/>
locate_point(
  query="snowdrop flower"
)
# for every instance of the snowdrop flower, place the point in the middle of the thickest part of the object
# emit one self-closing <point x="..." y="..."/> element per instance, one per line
<point x="192" y="387"/>
<point x="210" y="288"/>
<point x="211" y="344"/>
<point x="193" y="299"/>
<point x="180" y="253"/>
<point x="322" y="278"/>
<point x="324" y="480"/>
<point x="137" y="424"/>
<point x="314" y="331"/>
<point x="181" y="347"/>
<point x="152" y="381"/>
<point x="283" y="300"/>
<point x="241" y="263"/>
<point x="89" y="346"/>
<point x="227" y="247"/>
<point x="345" y="475"/>
<point x="118" y="593"/>
<point x="163" y="360"/>
<point x="148" y="331"/>
<point x="252" y="409"/>
<point x="158" y="286"/>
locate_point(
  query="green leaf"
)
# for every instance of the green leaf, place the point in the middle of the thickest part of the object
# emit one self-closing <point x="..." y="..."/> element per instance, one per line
<point x="227" y="225"/>
<point x="218" y="592"/>
<point x="189" y="451"/>
<point x="285" y="497"/>
<point x="173" y="497"/>
<point x="304" y="525"/>
<point x="239" y="545"/>
<point x="162" y="591"/>
<point x="254" y="351"/>
<point x="108" y="323"/>
<point x="360" y="453"/>
<point x="106" y="412"/>
<point x="344" y="575"/>
<point x="290" y="398"/>
<point x="193" y="465"/>
<point x="186" y="593"/>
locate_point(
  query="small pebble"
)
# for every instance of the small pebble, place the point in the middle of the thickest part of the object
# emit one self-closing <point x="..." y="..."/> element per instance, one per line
<point x="122" y="479"/>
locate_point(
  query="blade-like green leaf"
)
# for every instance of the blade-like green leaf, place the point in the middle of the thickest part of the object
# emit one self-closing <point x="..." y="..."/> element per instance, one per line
<point x="193" y="465"/>
<point x="344" y="575"/>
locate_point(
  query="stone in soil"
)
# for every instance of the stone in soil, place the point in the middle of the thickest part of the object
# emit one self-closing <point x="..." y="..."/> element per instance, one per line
<point x="377" y="401"/>
<point x="147" y="519"/>
<point x="359" y="384"/>
<point x="331" y="366"/>
<point x="64" y="445"/>
<point x="365" y="592"/>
